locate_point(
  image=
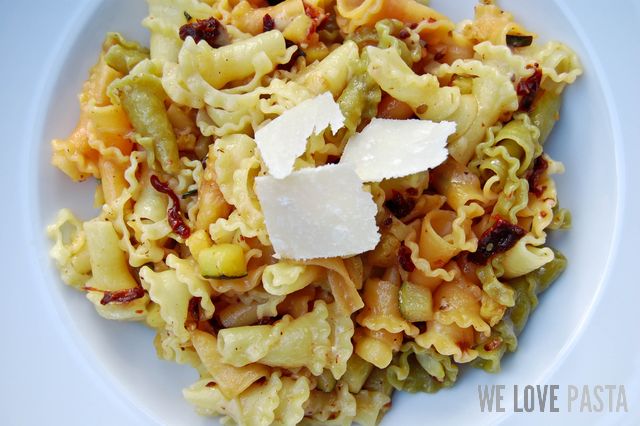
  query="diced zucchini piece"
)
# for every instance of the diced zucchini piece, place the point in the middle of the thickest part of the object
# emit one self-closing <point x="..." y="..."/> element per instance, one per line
<point x="222" y="261"/>
<point x="415" y="302"/>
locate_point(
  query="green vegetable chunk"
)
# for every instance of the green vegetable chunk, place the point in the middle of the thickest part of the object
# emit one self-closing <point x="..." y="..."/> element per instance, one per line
<point x="222" y="261"/>
<point x="415" y="302"/>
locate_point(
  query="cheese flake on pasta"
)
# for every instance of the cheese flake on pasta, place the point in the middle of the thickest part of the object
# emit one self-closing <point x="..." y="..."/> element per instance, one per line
<point x="284" y="139"/>
<point x="318" y="212"/>
<point x="389" y="148"/>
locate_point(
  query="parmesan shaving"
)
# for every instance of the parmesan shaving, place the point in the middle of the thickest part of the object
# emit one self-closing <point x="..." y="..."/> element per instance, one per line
<point x="284" y="139"/>
<point x="395" y="148"/>
<point x="318" y="212"/>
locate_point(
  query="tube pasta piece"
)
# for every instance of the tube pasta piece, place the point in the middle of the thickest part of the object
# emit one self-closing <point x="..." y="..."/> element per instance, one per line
<point x="109" y="268"/>
<point x="357" y="372"/>
<point x="449" y="340"/>
<point x="234" y="61"/>
<point x="492" y="24"/>
<point x="250" y="20"/>
<point x="525" y="256"/>
<point x="211" y="203"/>
<point x="377" y="346"/>
<point x="334" y="408"/>
<point x="231" y="381"/>
<point x="110" y="273"/>
<point x="457" y="183"/>
<point x="300" y="342"/>
<point x="382" y="308"/>
<point x="458" y="302"/>
<point x="262" y="404"/>
<point x="418" y="369"/>
<point x="544" y="114"/>
<point x="333" y="72"/>
<point x="343" y="287"/>
<point x="422" y="93"/>
<point x="444" y="234"/>
<point x="286" y="277"/>
<point x="355" y="13"/>
<point x="371" y="406"/>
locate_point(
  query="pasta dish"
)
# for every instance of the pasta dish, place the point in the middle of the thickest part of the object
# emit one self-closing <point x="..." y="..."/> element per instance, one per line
<point x="317" y="203"/>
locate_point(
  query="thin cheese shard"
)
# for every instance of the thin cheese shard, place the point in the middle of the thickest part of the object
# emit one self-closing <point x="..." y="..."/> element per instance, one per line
<point x="284" y="139"/>
<point x="318" y="212"/>
<point x="389" y="148"/>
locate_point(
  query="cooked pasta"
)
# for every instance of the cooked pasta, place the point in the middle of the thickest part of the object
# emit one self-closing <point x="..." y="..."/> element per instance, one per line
<point x="182" y="240"/>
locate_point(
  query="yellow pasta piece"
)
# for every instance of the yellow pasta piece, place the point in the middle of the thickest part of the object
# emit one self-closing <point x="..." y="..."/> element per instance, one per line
<point x="231" y="381"/>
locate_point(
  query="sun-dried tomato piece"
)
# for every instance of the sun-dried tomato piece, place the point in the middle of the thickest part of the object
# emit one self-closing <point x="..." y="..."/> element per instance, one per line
<point x="122" y="296"/>
<point x="193" y="314"/>
<point x="174" y="216"/>
<point x="535" y="174"/>
<point x="527" y="88"/>
<point x="404" y="258"/>
<point x="400" y="205"/>
<point x="268" y="23"/>
<point x="210" y="30"/>
<point x="499" y="238"/>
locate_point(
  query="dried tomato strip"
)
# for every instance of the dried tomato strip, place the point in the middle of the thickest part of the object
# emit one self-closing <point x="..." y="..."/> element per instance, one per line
<point x="540" y="165"/>
<point x="527" y="88"/>
<point x="499" y="238"/>
<point x="399" y="205"/>
<point x="122" y="296"/>
<point x="268" y="23"/>
<point x="175" y="217"/>
<point x="404" y="258"/>
<point x="210" y="30"/>
<point x="193" y="314"/>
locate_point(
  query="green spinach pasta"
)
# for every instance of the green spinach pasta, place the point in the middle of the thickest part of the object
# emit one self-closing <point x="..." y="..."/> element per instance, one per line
<point x="317" y="203"/>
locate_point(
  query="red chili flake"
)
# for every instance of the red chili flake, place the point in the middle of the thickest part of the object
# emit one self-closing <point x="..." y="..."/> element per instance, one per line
<point x="399" y="205"/>
<point x="404" y="258"/>
<point x="175" y="217"/>
<point x="211" y="384"/>
<point x="387" y="221"/>
<point x="499" y="238"/>
<point x="193" y="313"/>
<point x="527" y="88"/>
<point x="413" y="26"/>
<point x="431" y="20"/>
<point x="122" y="296"/>
<point x="403" y="34"/>
<point x="535" y="174"/>
<point x="318" y="17"/>
<point x="210" y="30"/>
<point x="268" y="23"/>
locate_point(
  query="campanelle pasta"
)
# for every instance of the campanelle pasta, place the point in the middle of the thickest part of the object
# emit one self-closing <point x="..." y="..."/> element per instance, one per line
<point x="181" y="240"/>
